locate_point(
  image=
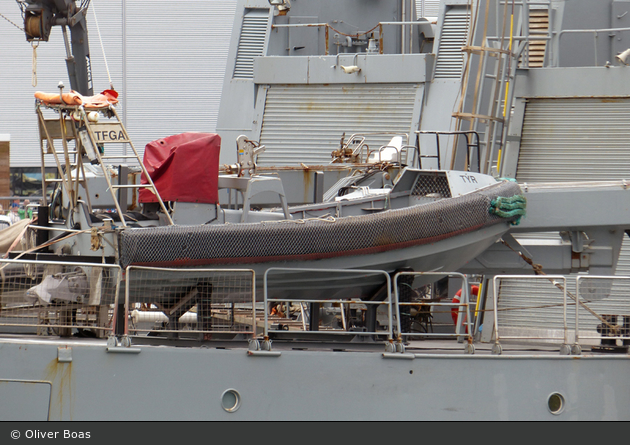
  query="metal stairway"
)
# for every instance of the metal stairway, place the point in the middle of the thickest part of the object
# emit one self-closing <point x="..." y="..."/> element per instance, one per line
<point x="83" y="125"/>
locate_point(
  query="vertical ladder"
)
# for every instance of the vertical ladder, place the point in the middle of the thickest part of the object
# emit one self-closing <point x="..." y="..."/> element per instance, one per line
<point x="90" y="138"/>
<point x="497" y="58"/>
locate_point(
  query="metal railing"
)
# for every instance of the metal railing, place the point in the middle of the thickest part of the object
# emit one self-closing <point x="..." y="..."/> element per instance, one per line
<point x="58" y="298"/>
<point x="423" y="307"/>
<point x="595" y="32"/>
<point x="200" y="301"/>
<point x="582" y="310"/>
<point x="341" y="325"/>
<point x="469" y="146"/>
<point x="407" y="45"/>
<point x="554" y="291"/>
<point x="602" y="303"/>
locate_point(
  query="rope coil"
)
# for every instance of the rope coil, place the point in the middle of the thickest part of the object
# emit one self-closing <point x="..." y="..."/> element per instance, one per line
<point x="509" y="207"/>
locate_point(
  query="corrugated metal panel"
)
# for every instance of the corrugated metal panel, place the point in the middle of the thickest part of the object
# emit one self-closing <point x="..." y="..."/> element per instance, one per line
<point x="574" y="139"/>
<point x="175" y="60"/>
<point x="450" y="59"/>
<point x="251" y="42"/>
<point x="304" y="123"/>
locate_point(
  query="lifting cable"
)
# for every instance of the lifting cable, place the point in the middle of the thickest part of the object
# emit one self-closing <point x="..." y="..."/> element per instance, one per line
<point x="98" y="31"/>
<point x="34" y="44"/>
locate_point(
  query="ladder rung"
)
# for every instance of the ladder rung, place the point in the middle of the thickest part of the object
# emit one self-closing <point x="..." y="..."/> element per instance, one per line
<point x="120" y="157"/>
<point x="73" y="152"/>
<point x="132" y="186"/>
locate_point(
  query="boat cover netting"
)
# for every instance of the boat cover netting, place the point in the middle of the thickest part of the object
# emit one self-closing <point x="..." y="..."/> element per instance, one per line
<point x="313" y="239"/>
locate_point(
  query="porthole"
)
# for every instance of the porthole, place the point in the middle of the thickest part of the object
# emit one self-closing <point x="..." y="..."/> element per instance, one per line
<point x="231" y="400"/>
<point x="555" y="403"/>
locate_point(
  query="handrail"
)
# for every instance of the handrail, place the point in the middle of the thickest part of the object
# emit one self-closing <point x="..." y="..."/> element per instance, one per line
<point x="464" y="301"/>
<point x="469" y="146"/>
<point x="37" y="271"/>
<point x="495" y="295"/>
<point x="199" y="271"/>
<point x="328" y="27"/>
<point x="556" y="56"/>
<point x="388" y="301"/>
<point x="606" y="303"/>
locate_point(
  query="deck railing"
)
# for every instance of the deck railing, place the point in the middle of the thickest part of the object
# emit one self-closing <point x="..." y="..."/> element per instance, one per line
<point x="58" y="298"/>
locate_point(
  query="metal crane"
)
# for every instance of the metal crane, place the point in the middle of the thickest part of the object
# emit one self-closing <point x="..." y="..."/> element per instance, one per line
<point x="39" y="18"/>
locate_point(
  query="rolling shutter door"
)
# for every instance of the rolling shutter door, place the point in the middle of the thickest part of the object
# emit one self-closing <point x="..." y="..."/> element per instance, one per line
<point x="582" y="139"/>
<point x="573" y="139"/>
<point x="304" y="123"/>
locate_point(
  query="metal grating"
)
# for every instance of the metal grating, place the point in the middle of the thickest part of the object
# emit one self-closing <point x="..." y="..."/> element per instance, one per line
<point x="251" y="42"/>
<point x="538" y="27"/>
<point x="427" y="8"/>
<point x="431" y="186"/>
<point x="58" y="298"/>
<point x="191" y="301"/>
<point x="450" y="59"/>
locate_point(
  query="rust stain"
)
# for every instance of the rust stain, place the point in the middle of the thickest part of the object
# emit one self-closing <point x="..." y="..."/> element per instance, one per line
<point x="60" y="377"/>
<point x="307" y="183"/>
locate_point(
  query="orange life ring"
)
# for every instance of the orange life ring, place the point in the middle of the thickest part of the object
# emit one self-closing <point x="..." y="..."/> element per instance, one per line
<point x="456" y="299"/>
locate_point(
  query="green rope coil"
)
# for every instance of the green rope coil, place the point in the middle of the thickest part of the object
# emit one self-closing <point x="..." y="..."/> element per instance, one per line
<point x="509" y="207"/>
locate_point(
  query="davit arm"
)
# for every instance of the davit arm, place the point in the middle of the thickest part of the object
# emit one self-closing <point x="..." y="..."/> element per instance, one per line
<point x="39" y="18"/>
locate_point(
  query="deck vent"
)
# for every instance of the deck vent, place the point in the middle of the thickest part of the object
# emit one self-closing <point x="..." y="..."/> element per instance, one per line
<point x="251" y="42"/>
<point x="431" y="186"/>
<point x="428" y="8"/>
<point x="538" y="27"/>
<point x="450" y="58"/>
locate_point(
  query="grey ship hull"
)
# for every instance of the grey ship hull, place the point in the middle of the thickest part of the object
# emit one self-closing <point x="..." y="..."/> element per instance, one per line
<point x="188" y="384"/>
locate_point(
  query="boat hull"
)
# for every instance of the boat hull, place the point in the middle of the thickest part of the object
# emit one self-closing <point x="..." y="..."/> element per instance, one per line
<point x="441" y="236"/>
<point x="146" y="383"/>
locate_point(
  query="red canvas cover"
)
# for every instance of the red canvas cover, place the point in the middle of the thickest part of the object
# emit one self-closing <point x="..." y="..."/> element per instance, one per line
<point x="183" y="167"/>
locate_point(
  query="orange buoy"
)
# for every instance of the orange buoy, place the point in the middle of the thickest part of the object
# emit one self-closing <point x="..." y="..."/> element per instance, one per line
<point x="456" y="300"/>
